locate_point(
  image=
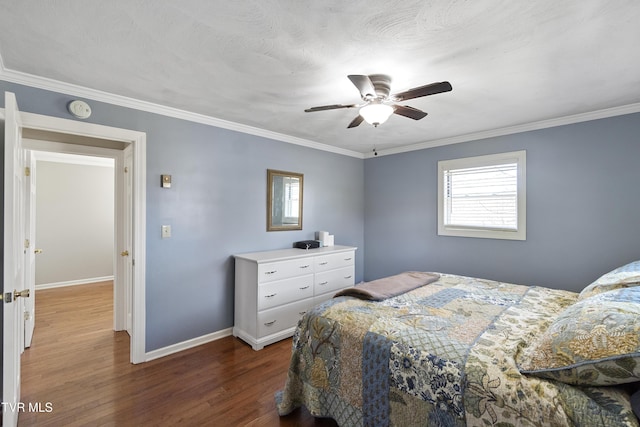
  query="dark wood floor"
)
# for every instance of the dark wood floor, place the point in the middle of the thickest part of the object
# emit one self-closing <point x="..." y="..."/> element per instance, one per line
<point x="78" y="373"/>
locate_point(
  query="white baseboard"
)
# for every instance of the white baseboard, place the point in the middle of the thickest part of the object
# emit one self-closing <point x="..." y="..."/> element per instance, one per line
<point x="74" y="282"/>
<point x="185" y="345"/>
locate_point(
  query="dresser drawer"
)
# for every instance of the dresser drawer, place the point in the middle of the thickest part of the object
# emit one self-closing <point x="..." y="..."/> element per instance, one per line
<point x="280" y="318"/>
<point x="273" y="294"/>
<point x="334" y="280"/>
<point x="284" y="269"/>
<point x="333" y="261"/>
<point x="274" y="288"/>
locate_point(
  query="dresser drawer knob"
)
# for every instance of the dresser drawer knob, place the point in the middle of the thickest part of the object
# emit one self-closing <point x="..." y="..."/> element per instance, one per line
<point x="270" y="323"/>
<point x="271" y="272"/>
<point x="348" y="259"/>
<point x="305" y="287"/>
<point x="302" y="313"/>
<point x="270" y="296"/>
<point x="322" y="283"/>
<point x="347" y="277"/>
<point x="305" y="266"/>
<point x="324" y="263"/>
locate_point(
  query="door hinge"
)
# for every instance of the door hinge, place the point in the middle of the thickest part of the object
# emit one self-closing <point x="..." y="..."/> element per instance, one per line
<point x="27" y="243"/>
<point x="126" y="169"/>
<point x="27" y="171"/>
<point x="27" y="315"/>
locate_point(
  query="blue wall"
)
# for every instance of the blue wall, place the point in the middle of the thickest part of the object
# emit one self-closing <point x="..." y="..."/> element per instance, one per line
<point x="216" y="208"/>
<point x="583" y="208"/>
<point x="583" y="205"/>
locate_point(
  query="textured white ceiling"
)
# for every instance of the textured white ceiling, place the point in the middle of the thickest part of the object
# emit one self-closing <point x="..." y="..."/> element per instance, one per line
<point x="261" y="63"/>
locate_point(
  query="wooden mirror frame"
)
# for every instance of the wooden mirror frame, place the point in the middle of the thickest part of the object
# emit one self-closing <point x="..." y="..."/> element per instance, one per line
<point x="276" y="203"/>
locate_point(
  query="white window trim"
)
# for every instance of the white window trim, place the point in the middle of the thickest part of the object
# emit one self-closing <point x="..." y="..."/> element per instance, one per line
<point x="478" y="161"/>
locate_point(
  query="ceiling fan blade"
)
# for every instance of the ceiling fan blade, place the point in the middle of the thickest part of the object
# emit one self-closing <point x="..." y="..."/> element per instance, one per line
<point x="406" y="111"/>
<point x="355" y="122"/>
<point x="329" y="107"/>
<point x="417" y="92"/>
<point x="364" y="85"/>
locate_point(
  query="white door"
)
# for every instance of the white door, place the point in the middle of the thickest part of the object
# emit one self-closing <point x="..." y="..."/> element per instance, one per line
<point x="14" y="262"/>
<point x="30" y="247"/>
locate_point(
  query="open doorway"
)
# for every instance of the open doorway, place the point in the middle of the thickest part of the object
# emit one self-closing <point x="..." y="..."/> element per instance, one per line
<point x="74" y="214"/>
<point x="128" y="149"/>
<point x="86" y="244"/>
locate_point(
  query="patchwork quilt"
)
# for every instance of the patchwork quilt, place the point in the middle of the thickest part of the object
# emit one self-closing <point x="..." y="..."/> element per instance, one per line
<point x="444" y="354"/>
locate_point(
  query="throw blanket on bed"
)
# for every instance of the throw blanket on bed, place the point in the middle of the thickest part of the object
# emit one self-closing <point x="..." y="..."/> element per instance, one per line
<point x="387" y="287"/>
<point x="439" y="355"/>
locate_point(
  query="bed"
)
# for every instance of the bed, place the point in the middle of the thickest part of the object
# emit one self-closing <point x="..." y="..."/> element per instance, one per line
<point x="448" y="350"/>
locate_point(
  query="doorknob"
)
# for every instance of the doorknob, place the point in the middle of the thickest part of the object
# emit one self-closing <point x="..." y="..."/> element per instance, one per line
<point x="23" y="293"/>
<point x="37" y="251"/>
<point x="124" y="253"/>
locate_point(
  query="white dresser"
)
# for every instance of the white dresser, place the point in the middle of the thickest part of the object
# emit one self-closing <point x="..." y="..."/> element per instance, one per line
<point x="275" y="288"/>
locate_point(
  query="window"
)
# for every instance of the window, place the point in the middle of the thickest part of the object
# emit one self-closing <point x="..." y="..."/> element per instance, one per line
<point x="483" y="196"/>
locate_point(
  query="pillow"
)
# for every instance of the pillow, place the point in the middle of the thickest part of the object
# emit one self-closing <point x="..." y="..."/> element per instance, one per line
<point x="595" y="341"/>
<point x="622" y="277"/>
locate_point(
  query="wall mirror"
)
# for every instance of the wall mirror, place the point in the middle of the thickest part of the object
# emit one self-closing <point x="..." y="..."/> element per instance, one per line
<point x="284" y="200"/>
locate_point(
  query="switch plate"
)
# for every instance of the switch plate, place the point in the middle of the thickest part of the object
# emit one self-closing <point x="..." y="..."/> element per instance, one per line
<point x="166" y="231"/>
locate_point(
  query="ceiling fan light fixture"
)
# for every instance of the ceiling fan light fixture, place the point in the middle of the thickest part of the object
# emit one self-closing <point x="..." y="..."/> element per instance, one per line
<point x="378" y="105"/>
<point x="376" y="114"/>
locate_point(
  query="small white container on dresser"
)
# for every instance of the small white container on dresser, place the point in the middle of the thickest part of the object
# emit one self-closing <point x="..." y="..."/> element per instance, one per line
<point x="275" y="288"/>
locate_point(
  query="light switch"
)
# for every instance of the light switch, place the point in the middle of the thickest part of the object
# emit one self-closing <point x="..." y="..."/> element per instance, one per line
<point x="166" y="231"/>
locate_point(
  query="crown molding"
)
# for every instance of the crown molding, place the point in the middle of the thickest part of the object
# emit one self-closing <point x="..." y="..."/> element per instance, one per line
<point x="123" y="101"/>
<point x="527" y="127"/>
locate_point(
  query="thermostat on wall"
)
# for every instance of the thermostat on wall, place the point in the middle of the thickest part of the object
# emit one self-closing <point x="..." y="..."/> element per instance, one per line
<point x="79" y="109"/>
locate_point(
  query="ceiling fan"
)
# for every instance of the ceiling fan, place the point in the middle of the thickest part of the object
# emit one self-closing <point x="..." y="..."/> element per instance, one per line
<point x="378" y="104"/>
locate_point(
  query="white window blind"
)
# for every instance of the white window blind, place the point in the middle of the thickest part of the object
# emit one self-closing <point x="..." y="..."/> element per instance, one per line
<point x="483" y="196"/>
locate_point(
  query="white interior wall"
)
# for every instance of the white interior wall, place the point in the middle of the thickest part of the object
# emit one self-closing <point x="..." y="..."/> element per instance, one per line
<point x="74" y="219"/>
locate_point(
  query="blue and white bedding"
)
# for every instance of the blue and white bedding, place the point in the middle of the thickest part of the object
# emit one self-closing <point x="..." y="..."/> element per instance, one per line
<point x="444" y="354"/>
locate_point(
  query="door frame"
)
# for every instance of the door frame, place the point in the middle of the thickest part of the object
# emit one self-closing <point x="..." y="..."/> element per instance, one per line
<point x="92" y="133"/>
